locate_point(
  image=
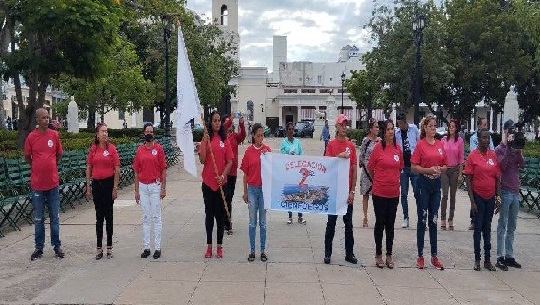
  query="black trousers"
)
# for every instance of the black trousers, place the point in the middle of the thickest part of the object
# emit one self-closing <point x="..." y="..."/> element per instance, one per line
<point x="385" y="217"/>
<point x="331" y="230"/>
<point x="229" y="194"/>
<point x="213" y="208"/>
<point x="103" y="202"/>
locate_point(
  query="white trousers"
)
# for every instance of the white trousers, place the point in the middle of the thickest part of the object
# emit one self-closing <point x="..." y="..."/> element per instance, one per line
<point x="151" y="213"/>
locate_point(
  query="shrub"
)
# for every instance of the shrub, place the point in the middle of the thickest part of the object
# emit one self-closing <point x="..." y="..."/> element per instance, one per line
<point x="356" y="135"/>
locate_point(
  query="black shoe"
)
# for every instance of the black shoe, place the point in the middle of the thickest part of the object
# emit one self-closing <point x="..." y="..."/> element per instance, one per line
<point x="58" y="252"/>
<point x="477" y="266"/>
<point x="351" y="258"/>
<point x="251" y="257"/>
<point x="157" y="254"/>
<point x="37" y="254"/>
<point x="511" y="262"/>
<point x="327" y="259"/>
<point x="146" y="253"/>
<point x="264" y="258"/>
<point x="501" y="263"/>
<point x="489" y="266"/>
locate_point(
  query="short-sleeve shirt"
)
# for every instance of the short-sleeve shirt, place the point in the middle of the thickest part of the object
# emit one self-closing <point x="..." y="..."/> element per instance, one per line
<point x="149" y="163"/>
<point x="386" y="165"/>
<point x="103" y="160"/>
<point x="427" y="155"/>
<point x="291" y="148"/>
<point x="455" y="151"/>
<point x="485" y="171"/>
<point x="43" y="149"/>
<point x="222" y="153"/>
<point x="251" y="164"/>
<point x="335" y="147"/>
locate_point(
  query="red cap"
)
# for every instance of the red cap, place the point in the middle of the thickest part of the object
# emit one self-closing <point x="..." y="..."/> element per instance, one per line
<point x="341" y="118"/>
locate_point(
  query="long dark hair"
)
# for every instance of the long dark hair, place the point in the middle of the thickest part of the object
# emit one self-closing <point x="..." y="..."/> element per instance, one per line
<point x="456" y="134"/>
<point x="384" y="125"/>
<point x="254" y="129"/>
<point x="98" y="126"/>
<point x="221" y="131"/>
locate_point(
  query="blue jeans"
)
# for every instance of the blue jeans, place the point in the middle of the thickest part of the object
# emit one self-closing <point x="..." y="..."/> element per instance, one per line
<point x="427" y="207"/>
<point x="482" y="225"/>
<point x="52" y="199"/>
<point x="256" y="205"/>
<point x="507" y="223"/>
<point x="404" y="177"/>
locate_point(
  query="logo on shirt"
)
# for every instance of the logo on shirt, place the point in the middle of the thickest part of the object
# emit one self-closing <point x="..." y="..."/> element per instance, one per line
<point x="440" y="151"/>
<point x="154" y="152"/>
<point x="347" y="150"/>
<point x="105" y="153"/>
<point x="221" y="144"/>
<point x="50" y="143"/>
<point x="490" y="162"/>
<point x="396" y="157"/>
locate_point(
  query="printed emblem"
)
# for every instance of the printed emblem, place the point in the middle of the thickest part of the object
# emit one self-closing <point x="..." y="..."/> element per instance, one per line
<point x="105" y="153"/>
<point x="490" y="162"/>
<point x="50" y="143"/>
<point x="440" y="151"/>
<point x="396" y="157"/>
<point x="347" y="150"/>
<point x="221" y="144"/>
<point x="154" y="152"/>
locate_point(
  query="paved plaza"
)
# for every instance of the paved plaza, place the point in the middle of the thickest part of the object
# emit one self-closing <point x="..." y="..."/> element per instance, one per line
<point x="294" y="273"/>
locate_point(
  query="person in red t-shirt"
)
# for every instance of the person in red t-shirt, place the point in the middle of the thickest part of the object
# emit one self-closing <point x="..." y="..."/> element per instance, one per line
<point x="385" y="165"/>
<point x="214" y="176"/>
<point x="483" y="177"/>
<point x="150" y="170"/>
<point x="253" y="194"/>
<point x="342" y="147"/>
<point x="429" y="161"/>
<point x="103" y="167"/>
<point x="235" y="138"/>
<point x="43" y="150"/>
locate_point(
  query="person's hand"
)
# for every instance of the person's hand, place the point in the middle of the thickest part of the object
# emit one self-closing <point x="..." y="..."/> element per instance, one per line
<point x="245" y="197"/>
<point x="474" y="208"/>
<point x="220" y="179"/>
<point x="162" y="193"/>
<point x="460" y="178"/>
<point x="114" y="193"/>
<point x="510" y="138"/>
<point x="350" y="199"/>
<point x="89" y="192"/>
<point x="137" y="197"/>
<point x="264" y="151"/>
<point x="344" y="155"/>
<point x="241" y="120"/>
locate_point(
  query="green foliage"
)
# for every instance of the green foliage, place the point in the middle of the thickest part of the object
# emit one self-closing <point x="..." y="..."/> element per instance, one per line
<point x="356" y="135"/>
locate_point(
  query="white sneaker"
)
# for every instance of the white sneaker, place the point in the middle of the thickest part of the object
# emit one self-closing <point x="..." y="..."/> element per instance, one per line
<point x="405" y="223"/>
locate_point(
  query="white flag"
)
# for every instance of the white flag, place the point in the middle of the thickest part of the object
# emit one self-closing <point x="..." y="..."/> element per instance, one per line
<point x="188" y="108"/>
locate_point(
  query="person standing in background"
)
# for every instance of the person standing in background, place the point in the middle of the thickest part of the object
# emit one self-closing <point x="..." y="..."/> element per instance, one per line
<point x="366" y="148"/>
<point x="292" y="146"/>
<point x="325" y="135"/>
<point x="455" y="150"/>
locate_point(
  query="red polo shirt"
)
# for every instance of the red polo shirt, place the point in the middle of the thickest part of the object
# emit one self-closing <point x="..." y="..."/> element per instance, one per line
<point x="335" y="147"/>
<point x="427" y="155"/>
<point x="149" y="163"/>
<point x="222" y="154"/>
<point x="484" y="171"/>
<point x="386" y="165"/>
<point x="43" y="149"/>
<point x="103" y="160"/>
<point x="236" y="138"/>
<point x="251" y="164"/>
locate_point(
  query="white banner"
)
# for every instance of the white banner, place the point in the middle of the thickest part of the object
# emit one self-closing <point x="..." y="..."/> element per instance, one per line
<point x="305" y="184"/>
<point x="188" y="107"/>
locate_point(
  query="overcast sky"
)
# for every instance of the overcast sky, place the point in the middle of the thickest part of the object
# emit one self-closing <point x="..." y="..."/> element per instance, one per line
<point x="316" y="29"/>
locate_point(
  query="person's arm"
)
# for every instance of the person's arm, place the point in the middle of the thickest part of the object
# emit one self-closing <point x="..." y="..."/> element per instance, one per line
<point x="203" y="147"/>
<point x="28" y="159"/>
<point x="503" y="154"/>
<point x="352" y="191"/>
<point x="241" y="136"/>
<point x="283" y="149"/>
<point x="244" y="183"/>
<point x="468" y="182"/>
<point x="498" y="200"/>
<point x="136" y="184"/>
<point x="300" y="148"/>
<point x="163" y="191"/>
<point x="116" y="181"/>
<point x="88" y="184"/>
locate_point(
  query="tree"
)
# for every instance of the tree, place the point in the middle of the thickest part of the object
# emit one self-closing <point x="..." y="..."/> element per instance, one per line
<point x="51" y="37"/>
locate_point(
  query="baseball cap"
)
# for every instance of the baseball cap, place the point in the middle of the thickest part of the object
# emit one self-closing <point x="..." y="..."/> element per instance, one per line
<point x="508" y="124"/>
<point x="341" y="118"/>
<point x="227" y="124"/>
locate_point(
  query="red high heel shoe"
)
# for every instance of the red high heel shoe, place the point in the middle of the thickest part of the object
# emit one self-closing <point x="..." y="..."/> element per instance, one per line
<point x="208" y="253"/>
<point x="219" y="252"/>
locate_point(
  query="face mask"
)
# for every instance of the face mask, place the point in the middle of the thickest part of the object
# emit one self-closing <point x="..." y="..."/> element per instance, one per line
<point x="148" y="137"/>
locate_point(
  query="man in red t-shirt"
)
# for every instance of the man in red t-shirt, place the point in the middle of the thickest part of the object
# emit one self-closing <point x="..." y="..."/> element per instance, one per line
<point x="42" y="150"/>
<point x="235" y="138"/>
<point x="341" y="147"/>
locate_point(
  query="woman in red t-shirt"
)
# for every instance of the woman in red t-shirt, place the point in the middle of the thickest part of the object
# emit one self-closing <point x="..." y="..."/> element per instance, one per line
<point x="150" y="171"/>
<point x="429" y="161"/>
<point x="212" y="181"/>
<point x="483" y="177"/>
<point x="385" y="165"/>
<point x="253" y="195"/>
<point x="103" y="166"/>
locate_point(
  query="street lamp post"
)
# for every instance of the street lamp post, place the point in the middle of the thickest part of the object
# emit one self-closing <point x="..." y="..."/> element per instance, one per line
<point x="167" y="29"/>
<point x="418" y="27"/>
<point x="342" y="80"/>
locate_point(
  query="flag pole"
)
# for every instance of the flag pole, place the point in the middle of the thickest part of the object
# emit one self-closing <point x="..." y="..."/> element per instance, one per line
<point x="216" y="171"/>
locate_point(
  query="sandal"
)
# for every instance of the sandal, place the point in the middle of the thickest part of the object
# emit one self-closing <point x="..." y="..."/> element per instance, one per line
<point x="99" y="254"/>
<point x="289" y="222"/>
<point x="476" y="266"/>
<point x="450" y="225"/>
<point x="264" y="258"/>
<point x="251" y="257"/>
<point x="389" y="262"/>
<point x="443" y="224"/>
<point x="365" y="223"/>
<point x="379" y="262"/>
<point x="109" y="252"/>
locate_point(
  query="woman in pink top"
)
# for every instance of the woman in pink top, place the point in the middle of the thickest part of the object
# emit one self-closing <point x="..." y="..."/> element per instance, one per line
<point x="429" y="161"/>
<point x="454" y="149"/>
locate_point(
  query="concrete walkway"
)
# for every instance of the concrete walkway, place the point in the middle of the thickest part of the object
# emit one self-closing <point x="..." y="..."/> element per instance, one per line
<point x="294" y="273"/>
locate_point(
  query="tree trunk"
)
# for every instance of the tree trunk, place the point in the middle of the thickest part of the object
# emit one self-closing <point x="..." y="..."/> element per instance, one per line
<point x="148" y="114"/>
<point x="91" y="122"/>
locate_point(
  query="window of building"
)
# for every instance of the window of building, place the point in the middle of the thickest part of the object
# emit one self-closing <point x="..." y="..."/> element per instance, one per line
<point x="290" y="90"/>
<point x="319" y="79"/>
<point x="308" y="90"/>
<point x="224" y="15"/>
<point x="307" y="112"/>
<point x="325" y="90"/>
